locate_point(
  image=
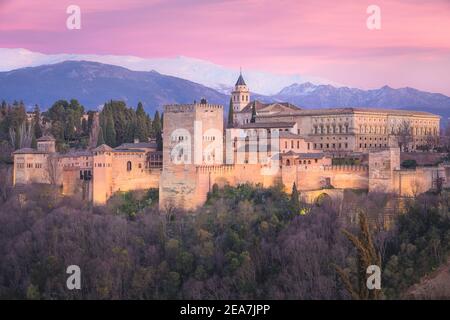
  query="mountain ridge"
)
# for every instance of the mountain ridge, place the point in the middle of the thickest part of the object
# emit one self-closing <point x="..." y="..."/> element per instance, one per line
<point x="94" y="83"/>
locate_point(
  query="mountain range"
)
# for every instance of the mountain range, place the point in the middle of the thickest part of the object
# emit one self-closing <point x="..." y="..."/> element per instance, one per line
<point x="209" y="74"/>
<point x="93" y="83"/>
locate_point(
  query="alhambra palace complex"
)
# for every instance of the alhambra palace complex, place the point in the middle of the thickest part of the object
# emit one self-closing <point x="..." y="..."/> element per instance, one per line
<point x="266" y="144"/>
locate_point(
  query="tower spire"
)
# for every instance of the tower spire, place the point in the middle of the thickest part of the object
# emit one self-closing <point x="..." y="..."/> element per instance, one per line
<point x="240" y="96"/>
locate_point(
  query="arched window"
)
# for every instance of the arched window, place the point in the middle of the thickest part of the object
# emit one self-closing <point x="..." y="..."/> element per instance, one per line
<point x="129" y="166"/>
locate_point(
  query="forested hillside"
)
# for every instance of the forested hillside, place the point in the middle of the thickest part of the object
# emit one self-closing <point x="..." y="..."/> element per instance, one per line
<point x="245" y="242"/>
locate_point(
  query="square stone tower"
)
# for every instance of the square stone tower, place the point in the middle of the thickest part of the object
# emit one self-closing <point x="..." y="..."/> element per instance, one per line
<point x="192" y="137"/>
<point x="382" y="164"/>
<point x="102" y="174"/>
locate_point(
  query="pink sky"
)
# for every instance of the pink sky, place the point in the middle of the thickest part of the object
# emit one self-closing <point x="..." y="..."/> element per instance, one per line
<point x="327" y="39"/>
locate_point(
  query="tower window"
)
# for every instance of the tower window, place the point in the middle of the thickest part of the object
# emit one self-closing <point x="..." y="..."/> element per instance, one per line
<point x="129" y="166"/>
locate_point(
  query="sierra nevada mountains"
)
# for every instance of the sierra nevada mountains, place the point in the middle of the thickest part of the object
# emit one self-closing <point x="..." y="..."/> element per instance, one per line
<point x="93" y="83"/>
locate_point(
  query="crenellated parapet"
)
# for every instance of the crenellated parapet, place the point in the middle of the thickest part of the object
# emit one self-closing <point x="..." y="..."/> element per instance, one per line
<point x="177" y="108"/>
<point x="346" y="168"/>
<point x="224" y="168"/>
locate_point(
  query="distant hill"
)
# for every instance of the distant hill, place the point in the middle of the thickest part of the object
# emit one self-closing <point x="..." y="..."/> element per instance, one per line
<point x="94" y="83"/>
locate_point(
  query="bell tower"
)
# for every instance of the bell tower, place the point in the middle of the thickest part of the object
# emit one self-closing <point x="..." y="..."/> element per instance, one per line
<point x="240" y="96"/>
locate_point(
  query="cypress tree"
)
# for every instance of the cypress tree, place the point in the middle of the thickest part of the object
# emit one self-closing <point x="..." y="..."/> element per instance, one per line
<point x="157" y="130"/>
<point x="141" y="123"/>
<point x="253" y="119"/>
<point x="295" y="203"/>
<point x="33" y="142"/>
<point x="230" y="114"/>
<point x="156" y="123"/>
<point x="37" y="123"/>
<point x="110" y="131"/>
<point x="100" y="139"/>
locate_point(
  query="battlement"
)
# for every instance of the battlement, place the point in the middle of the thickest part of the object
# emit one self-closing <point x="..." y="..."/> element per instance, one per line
<point x="346" y="168"/>
<point x="177" y="108"/>
<point x="215" y="168"/>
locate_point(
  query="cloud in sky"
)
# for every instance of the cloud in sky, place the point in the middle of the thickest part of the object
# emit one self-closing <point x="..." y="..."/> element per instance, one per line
<point x="327" y="39"/>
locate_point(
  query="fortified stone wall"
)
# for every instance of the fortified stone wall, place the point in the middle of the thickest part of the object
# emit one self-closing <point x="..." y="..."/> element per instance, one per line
<point x="177" y="187"/>
<point x="348" y="177"/>
<point x="233" y="175"/>
<point x="409" y="183"/>
<point x="31" y="168"/>
<point x="339" y="177"/>
<point x="73" y="185"/>
<point x="130" y="172"/>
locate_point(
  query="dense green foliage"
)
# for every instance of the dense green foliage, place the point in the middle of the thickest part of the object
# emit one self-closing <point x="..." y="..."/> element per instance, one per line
<point x="66" y="124"/>
<point x="421" y="242"/>
<point x="121" y="124"/>
<point x="12" y="122"/>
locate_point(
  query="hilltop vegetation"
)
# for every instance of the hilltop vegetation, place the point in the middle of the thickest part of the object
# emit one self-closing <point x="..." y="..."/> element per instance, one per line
<point x="244" y="243"/>
<point x="73" y="128"/>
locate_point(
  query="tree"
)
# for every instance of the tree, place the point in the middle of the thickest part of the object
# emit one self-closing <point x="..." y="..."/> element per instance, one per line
<point x="404" y="137"/>
<point x="367" y="255"/>
<point x="157" y="130"/>
<point x="230" y="114"/>
<point x="53" y="170"/>
<point x="37" y="123"/>
<point x="66" y="125"/>
<point x="85" y="127"/>
<point x="100" y="139"/>
<point x="110" y="131"/>
<point x="156" y="126"/>
<point x="142" y="131"/>
<point x="34" y="142"/>
<point x="295" y="202"/>
<point x="5" y="182"/>
<point x="21" y="136"/>
<point x="253" y="119"/>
